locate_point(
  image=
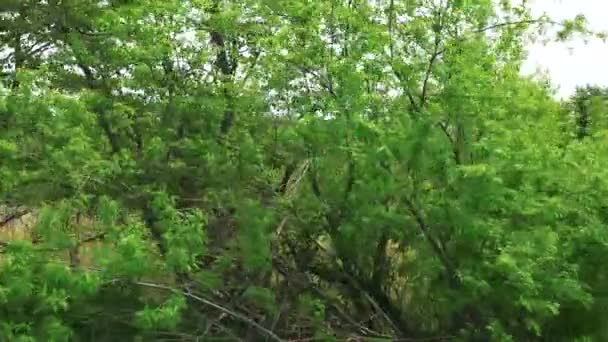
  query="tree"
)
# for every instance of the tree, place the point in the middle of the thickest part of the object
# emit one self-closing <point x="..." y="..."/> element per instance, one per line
<point x="588" y="108"/>
<point x="282" y="170"/>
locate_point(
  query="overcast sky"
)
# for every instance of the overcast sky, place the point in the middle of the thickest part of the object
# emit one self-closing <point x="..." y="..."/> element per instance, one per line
<point x="573" y="63"/>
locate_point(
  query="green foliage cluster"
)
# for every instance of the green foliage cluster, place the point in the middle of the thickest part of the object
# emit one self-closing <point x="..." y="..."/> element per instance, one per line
<point x="587" y="109"/>
<point x="274" y="170"/>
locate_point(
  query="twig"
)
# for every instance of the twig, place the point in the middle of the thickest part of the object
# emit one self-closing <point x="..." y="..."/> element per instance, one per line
<point x="513" y="23"/>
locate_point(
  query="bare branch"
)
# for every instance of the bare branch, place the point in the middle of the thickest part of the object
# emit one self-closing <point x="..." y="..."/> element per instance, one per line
<point x="429" y="71"/>
<point x="512" y="23"/>
<point x="91" y="238"/>
<point x="407" y="92"/>
<point x="13" y="216"/>
<point x="444" y="129"/>
<point x="325" y="83"/>
<point x="438" y="28"/>
<point x="449" y="268"/>
<point x="207" y="302"/>
<point x="35" y="49"/>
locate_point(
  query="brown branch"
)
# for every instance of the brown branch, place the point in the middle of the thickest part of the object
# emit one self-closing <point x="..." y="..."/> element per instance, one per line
<point x="350" y="178"/>
<point x="314" y="182"/>
<point x="391" y="18"/>
<point x="429" y="71"/>
<point x="444" y="128"/>
<point x="435" y="245"/>
<point x="306" y="282"/>
<point x="325" y="83"/>
<point x="35" y="48"/>
<point x="391" y="50"/>
<point x="499" y="25"/>
<point x="94" y="237"/>
<point x="92" y="34"/>
<point x="399" y="75"/>
<point x="379" y="269"/>
<point x="512" y="23"/>
<point x="13" y="216"/>
<point x="214" y="305"/>
<point x="407" y="92"/>
<point x="289" y="170"/>
<point x="252" y="65"/>
<point x="425" y="339"/>
<point x="437" y="28"/>
<point x="102" y="119"/>
<point x="456" y="152"/>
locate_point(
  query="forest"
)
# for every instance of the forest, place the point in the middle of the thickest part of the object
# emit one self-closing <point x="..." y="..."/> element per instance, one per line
<point x="296" y="170"/>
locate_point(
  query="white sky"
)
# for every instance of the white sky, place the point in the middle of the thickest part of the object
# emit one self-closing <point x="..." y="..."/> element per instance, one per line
<point x="576" y="62"/>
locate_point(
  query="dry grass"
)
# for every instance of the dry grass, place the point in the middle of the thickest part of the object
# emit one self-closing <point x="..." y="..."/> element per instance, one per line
<point x="22" y="227"/>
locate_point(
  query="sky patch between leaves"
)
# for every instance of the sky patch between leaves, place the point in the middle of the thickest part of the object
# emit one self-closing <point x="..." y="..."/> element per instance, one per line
<point x="576" y="62"/>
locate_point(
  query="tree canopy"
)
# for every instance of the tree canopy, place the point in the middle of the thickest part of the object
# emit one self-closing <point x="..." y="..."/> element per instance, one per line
<point x="291" y="170"/>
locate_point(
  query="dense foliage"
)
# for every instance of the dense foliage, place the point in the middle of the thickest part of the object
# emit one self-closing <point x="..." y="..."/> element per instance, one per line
<point x="587" y="108"/>
<point x="290" y="170"/>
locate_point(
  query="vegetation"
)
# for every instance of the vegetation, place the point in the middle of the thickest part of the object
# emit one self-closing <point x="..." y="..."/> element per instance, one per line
<point x="274" y="170"/>
<point x="587" y="107"/>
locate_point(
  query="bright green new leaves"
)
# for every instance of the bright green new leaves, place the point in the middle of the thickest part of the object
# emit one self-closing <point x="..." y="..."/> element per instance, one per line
<point x="166" y="316"/>
<point x="183" y="234"/>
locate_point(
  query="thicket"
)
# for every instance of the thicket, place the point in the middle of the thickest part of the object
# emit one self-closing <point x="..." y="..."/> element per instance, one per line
<point x="274" y="170"/>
